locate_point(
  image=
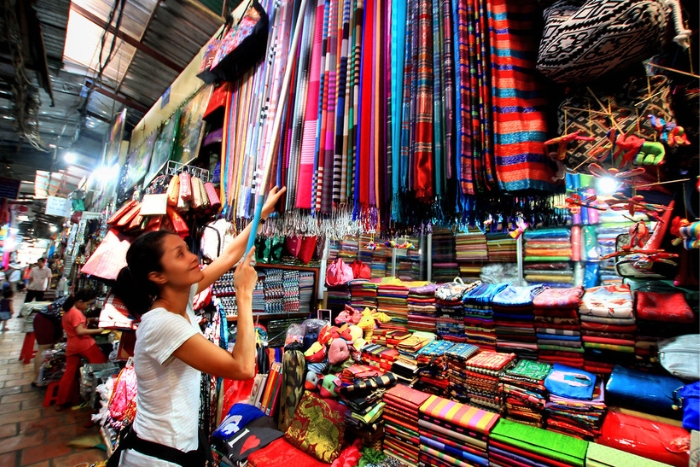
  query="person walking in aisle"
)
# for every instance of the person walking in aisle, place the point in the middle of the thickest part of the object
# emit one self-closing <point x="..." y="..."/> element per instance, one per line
<point x="159" y="284"/>
<point x="79" y="343"/>
<point x="39" y="278"/>
<point x="6" y="309"/>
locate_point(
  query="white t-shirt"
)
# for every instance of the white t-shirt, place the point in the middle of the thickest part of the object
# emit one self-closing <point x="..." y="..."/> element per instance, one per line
<point x="39" y="278"/>
<point x="167" y="400"/>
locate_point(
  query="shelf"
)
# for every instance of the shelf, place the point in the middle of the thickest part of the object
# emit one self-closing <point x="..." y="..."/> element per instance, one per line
<point x="287" y="266"/>
<point x="272" y="315"/>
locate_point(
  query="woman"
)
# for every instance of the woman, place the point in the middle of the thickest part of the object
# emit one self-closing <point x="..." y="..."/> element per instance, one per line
<point x="159" y="283"/>
<point x="47" y="331"/>
<point x="79" y="343"/>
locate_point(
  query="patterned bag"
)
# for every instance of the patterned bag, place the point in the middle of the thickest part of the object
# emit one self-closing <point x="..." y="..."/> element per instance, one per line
<point x="583" y="41"/>
<point x="582" y="112"/>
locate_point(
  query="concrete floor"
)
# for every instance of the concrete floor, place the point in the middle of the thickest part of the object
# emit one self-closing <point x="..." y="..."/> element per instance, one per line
<point x="32" y="435"/>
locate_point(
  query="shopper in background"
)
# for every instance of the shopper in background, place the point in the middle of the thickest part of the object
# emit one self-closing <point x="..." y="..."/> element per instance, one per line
<point x="159" y="284"/>
<point x="6" y="309"/>
<point x="79" y="343"/>
<point x="15" y="276"/>
<point x="47" y="331"/>
<point x="39" y="278"/>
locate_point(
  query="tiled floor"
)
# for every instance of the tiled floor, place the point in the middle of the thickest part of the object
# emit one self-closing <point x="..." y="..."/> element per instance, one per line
<point x="31" y="435"/>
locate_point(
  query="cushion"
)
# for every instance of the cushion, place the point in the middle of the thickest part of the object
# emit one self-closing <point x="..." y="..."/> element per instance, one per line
<point x="654" y="440"/>
<point x="316" y="353"/>
<point x="280" y="452"/>
<point x="649" y="393"/>
<point x="338" y="352"/>
<point x="317" y="428"/>
<point x="666" y="307"/>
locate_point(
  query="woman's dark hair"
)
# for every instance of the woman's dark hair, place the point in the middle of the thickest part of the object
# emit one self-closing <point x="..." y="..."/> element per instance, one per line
<point x="83" y="295"/>
<point x="133" y="286"/>
<point x="7" y="293"/>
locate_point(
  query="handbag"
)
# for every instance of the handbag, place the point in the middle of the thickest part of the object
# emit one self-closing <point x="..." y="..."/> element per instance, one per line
<point x="293" y="244"/>
<point x="680" y="356"/>
<point x="637" y="390"/>
<point x="214" y="201"/>
<point x="338" y="273"/>
<point x="121" y="212"/>
<point x="173" y="190"/>
<point x="154" y="205"/>
<point x="360" y="270"/>
<point x="583" y="41"/>
<point x="238" y="48"/>
<point x="308" y="247"/>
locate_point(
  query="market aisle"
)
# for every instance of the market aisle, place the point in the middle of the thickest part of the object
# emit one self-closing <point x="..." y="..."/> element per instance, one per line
<point x="31" y="435"/>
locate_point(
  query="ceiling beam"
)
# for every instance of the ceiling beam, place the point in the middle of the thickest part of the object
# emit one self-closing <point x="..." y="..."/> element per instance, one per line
<point x="121" y="99"/>
<point x="137" y="44"/>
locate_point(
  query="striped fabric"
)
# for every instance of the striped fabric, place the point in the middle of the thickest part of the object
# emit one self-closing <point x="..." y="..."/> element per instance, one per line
<point x="340" y="111"/>
<point x="461" y="415"/>
<point x="423" y="143"/>
<point x="519" y="121"/>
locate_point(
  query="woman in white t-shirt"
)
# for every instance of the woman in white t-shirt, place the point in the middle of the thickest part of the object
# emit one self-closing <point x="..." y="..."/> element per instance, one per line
<point x="159" y="283"/>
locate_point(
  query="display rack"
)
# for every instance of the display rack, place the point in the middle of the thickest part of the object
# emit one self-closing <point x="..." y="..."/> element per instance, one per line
<point x="174" y="168"/>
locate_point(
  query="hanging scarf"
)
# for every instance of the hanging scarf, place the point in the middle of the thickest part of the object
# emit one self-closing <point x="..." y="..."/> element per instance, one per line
<point x="399" y="43"/>
<point x="330" y="101"/>
<point x="339" y="159"/>
<point x="423" y="168"/>
<point x="448" y="70"/>
<point x="352" y="180"/>
<point x="438" y="99"/>
<point x="485" y="108"/>
<point x="463" y="99"/>
<point x="406" y="127"/>
<point x="311" y="120"/>
<point x="519" y="121"/>
<point x="364" y="133"/>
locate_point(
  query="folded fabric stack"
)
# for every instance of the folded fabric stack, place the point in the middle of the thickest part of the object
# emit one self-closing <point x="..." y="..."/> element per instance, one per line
<point x="457" y="357"/>
<point x="660" y="315"/>
<point x="364" y="398"/>
<point x="379" y="356"/>
<point x="349" y="248"/>
<point x="524" y="394"/>
<point x="363" y="294"/>
<point x="607" y="327"/>
<point x="306" y="290"/>
<point x="422" y="312"/>
<point x="514" y="320"/>
<point x="450" y="321"/>
<point x="358" y="371"/>
<point x="557" y="274"/>
<point x="389" y="337"/>
<point x="454" y="434"/>
<point x="338" y="297"/>
<point x="445" y="267"/>
<point x="432" y="367"/>
<point x="612" y="225"/>
<point x="502" y="248"/>
<point x="576" y="403"/>
<point x="650" y="393"/>
<point x="471" y="247"/>
<point x="558" y="327"/>
<point x="604" y="456"/>
<point x="484" y="372"/>
<point x="408" y="263"/>
<point x="544" y="247"/>
<point x="513" y="444"/>
<point x="378" y="264"/>
<point x="479" y="326"/>
<point x="259" y="294"/>
<point x="406" y="365"/>
<point x="401" y="422"/>
<point x="392" y="298"/>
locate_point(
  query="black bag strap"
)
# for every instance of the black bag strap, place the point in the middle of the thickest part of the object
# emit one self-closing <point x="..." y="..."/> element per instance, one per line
<point x="128" y="439"/>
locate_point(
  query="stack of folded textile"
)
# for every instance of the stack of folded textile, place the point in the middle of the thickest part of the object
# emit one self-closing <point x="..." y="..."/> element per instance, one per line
<point x="406" y="365"/>
<point x="457" y="357"/>
<point x="599" y="455"/>
<point x="432" y="366"/>
<point x="389" y="337"/>
<point x="450" y="321"/>
<point x="306" y="290"/>
<point x="471" y="247"/>
<point x="445" y="267"/>
<point x="576" y="403"/>
<point x="379" y="356"/>
<point x="558" y="327"/>
<point x="401" y="423"/>
<point x="378" y="265"/>
<point x="479" y="326"/>
<point x="607" y="327"/>
<point x="349" y="247"/>
<point x="660" y="315"/>
<point x="422" y="313"/>
<point x="545" y="247"/>
<point x="502" y="248"/>
<point x="524" y="394"/>
<point x="338" y="297"/>
<point x="364" y="398"/>
<point x="514" y="320"/>
<point x="358" y="371"/>
<point x="454" y="434"/>
<point x="363" y="294"/>
<point x="484" y="372"/>
<point x="392" y="296"/>
<point x="612" y="225"/>
<point x="513" y="444"/>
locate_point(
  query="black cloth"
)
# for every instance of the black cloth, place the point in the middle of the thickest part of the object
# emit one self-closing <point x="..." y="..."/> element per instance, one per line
<point x="32" y="294"/>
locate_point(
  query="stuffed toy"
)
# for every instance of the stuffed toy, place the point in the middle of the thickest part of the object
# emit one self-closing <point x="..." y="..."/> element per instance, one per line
<point x="312" y="379"/>
<point x="355" y="332"/>
<point x="338" y="352"/>
<point x="328" y="386"/>
<point x="316" y="353"/>
<point x="327" y="334"/>
<point x="348" y="315"/>
<point x="345" y="333"/>
<point x="350" y="456"/>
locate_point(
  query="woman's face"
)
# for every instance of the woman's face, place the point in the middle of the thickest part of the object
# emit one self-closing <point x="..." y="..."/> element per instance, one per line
<point x="180" y="266"/>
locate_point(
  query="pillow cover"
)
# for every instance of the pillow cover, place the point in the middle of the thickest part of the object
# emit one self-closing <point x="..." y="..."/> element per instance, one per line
<point x="317" y="428"/>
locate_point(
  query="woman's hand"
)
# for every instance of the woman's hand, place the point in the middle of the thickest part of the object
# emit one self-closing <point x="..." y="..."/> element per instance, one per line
<point x="272" y="198"/>
<point x="245" y="277"/>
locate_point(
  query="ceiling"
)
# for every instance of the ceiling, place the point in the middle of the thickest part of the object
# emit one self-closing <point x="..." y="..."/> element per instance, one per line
<point x="151" y="42"/>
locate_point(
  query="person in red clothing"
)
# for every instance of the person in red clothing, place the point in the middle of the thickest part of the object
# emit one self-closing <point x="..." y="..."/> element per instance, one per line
<point x="80" y="343"/>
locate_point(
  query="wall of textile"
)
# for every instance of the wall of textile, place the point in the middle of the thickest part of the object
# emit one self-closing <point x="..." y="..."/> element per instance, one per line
<point x="398" y="112"/>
